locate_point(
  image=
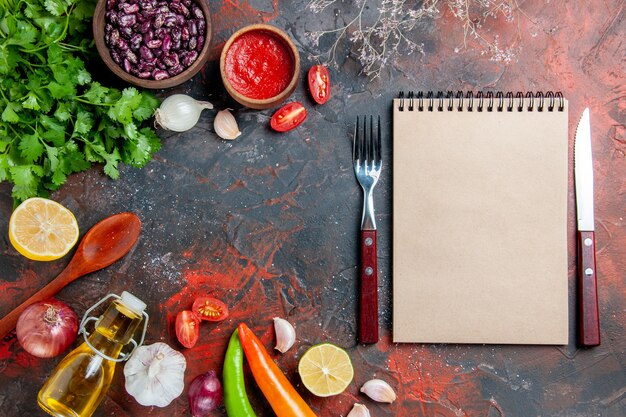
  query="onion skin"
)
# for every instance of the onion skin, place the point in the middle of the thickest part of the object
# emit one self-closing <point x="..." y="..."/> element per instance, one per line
<point x="205" y="394"/>
<point x="47" y="328"/>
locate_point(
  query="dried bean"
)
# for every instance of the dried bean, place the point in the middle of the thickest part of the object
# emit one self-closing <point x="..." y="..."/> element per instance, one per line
<point x="132" y="57"/>
<point x="112" y="18"/>
<point x="147" y="4"/>
<point x="130" y="8"/>
<point x="154" y="43"/>
<point x="167" y="43"/>
<point x="145" y="26"/>
<point x="197" y="11"/>
<point x="148" y="36"/>
<point x="180" y="9"/>
<point x="135" y="41"/>
<point x="187" y="3"/>
<point x="176" y="34"/>
<point x="193" y="43"/>
<point x="193" y="28"/>
<point x="126" y="32"/>
<point x="145" y="53"/>
<point x="146" y="66"/>
<point x="185" y="33"/>
<point x="160" y="75"/>
<point x="111" y="4"/>
<point x="160" y="64"/>
<point x="189" y="58"/>
<point x="116" y="57"/>
<point x="148" y="13"/>
<point x="170" y="21"/>
<point x="145" y="74"/>
<point x="200" y="41"/>
<point x="201" y="26"/>
<point x="127" y="20"/>
<point x="171" y="59"/>
<point x="160" y="33"/>
<point x="159" y="20"/>
<point x="127" y="65"/>
<point x="122" y="45"/>
<point x="176" y="45"/>
<point x="176" y="70"/>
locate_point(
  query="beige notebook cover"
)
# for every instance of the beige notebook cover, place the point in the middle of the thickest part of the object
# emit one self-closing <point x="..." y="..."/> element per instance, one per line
<point x="479" y="224"/>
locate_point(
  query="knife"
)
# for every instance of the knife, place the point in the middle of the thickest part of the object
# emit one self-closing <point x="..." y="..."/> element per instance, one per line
<point x="589" y="320"/>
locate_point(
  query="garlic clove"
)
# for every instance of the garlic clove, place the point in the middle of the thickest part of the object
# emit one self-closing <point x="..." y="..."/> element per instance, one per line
<point x="225" y="125"/>
<point x="359" y="410"/>
<point x="379" y="390"/>
<point x="285" y="334"/>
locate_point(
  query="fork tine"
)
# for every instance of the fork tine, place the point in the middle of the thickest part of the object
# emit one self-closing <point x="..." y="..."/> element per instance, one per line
<point x="355" y="139"/>
<point x="363" y="141"/>
<point x="379" y="154"/>
<point x="372" y="154"/>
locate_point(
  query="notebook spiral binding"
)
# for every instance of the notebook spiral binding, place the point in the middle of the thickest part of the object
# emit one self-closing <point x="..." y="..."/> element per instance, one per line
<point x="481" y="101"/>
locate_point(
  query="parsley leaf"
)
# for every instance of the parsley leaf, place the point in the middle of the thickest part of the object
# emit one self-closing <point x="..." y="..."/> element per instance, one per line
<point x="31" y="147"/>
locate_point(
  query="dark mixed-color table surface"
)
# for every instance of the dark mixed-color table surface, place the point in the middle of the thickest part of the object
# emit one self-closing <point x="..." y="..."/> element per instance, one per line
<point x="269" y="222"/>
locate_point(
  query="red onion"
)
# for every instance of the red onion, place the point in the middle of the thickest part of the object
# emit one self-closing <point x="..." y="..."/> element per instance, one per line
<point x="205" y="394"/>
<point x="47" y="328"/>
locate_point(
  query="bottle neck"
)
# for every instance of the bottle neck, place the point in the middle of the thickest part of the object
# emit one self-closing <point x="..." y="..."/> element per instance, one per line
<point x="104" y="345"/>
<point x="114" y="329"/>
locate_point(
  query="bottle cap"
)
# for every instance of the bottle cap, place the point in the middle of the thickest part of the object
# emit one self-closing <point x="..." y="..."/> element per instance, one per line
<point x="133" y="303"/>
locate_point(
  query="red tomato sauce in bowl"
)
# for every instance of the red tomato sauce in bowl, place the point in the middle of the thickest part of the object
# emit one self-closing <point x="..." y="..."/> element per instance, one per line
<point x="259" y="65"/>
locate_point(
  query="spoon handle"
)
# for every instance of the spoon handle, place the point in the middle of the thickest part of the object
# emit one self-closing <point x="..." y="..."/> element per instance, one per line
<point x="8" y="322"/>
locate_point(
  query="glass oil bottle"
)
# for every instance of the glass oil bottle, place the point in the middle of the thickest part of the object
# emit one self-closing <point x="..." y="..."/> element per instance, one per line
<point x="82" y="378"/>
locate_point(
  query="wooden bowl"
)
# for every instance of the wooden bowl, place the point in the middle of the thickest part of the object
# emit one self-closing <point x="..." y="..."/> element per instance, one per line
<point x="264" y="103"/>
<point x="103" y="51"/>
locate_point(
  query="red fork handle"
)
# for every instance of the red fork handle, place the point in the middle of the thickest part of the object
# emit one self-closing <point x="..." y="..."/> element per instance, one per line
<point x="589" y="318"/>
<point x="368" y="274"/>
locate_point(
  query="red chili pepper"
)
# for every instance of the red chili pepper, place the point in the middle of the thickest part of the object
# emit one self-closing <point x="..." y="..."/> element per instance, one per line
<point x="282" y="396"/>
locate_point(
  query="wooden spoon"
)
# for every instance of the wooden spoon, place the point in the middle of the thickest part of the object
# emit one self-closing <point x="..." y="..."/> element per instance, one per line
<point x="105" y="243"/>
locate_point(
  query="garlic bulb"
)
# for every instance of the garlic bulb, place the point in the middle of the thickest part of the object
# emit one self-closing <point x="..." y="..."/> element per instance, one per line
<point x="155" y="374"/>
<point x="225" y="125"/>
<point x="179" y="112"/>
<point x="379" y="390"/>
<point x="359" y="410"/>
<point x="285" y="334"/>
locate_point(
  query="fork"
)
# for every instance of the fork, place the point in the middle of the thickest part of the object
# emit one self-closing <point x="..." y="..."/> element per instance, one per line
<point x="367" y="160"/>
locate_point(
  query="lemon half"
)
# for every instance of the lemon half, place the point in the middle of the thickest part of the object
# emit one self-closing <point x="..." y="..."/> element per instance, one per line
<point x="42" y="229"/>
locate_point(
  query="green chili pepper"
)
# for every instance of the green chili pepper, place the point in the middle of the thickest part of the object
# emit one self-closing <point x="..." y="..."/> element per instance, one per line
<point x="235" y="397"/>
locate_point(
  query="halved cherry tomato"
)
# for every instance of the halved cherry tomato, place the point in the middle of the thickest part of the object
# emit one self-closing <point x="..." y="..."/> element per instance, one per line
<point x="210" y="309"/>
<point x="288" y="117"/>
<point x="187" y="328"/>
<point x="319" y="83"/>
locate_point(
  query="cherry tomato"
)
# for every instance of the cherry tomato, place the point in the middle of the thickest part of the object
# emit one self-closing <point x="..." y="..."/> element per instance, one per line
<point x="187" y="328"/>
<point x="209" y="309"/>
<point x="319" y="83"/>
<point x="288" y="117"/>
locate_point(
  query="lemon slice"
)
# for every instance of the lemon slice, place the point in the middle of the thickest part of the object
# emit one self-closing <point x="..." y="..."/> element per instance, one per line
<point x="326" y="370"/>
<point x="42" y="229"/>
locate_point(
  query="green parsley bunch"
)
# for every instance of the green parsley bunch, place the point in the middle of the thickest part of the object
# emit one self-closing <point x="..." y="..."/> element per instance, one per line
<point x="55" y="119"/>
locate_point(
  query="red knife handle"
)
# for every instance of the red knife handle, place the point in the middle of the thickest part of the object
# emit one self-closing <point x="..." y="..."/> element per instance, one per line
<point x="589" y="317"/>
<point x="368" y="273"/>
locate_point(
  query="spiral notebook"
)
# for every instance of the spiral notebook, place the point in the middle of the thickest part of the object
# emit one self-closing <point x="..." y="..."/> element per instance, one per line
<point x="479" y="218"/>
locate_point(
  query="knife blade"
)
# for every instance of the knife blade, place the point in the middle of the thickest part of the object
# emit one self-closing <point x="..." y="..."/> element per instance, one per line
<point x="588" y="318"/>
